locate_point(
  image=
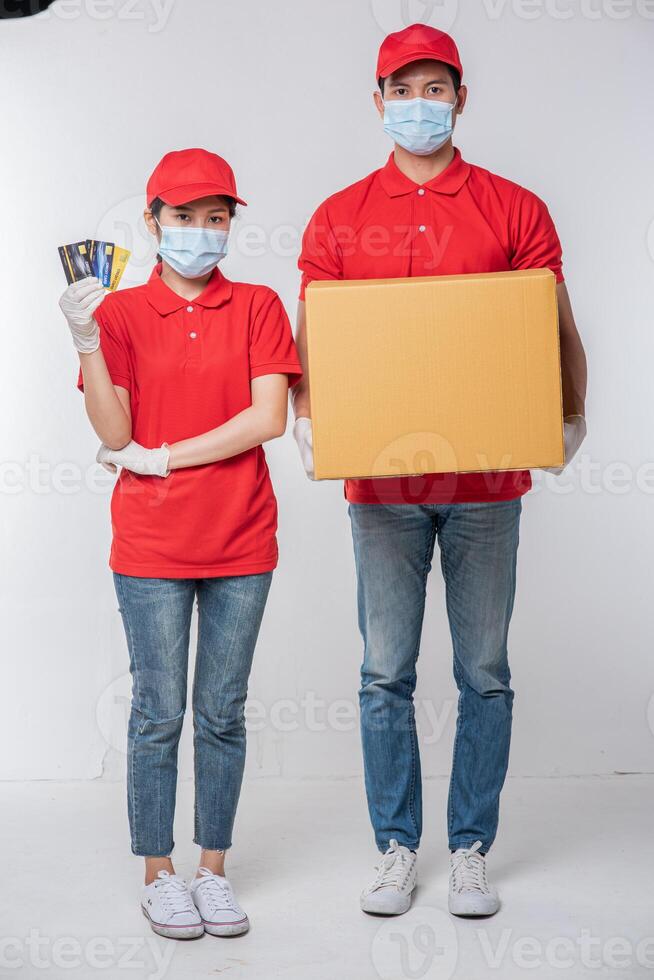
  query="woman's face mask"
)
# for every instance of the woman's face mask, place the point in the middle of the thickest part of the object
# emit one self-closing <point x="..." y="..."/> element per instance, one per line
<point x="421" y="126"/>
<point x="192" y="252"/>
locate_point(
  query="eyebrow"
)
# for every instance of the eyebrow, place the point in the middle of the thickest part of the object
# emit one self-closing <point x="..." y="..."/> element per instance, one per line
<point x="433" y="81"/>
<point x="186" y="207"/>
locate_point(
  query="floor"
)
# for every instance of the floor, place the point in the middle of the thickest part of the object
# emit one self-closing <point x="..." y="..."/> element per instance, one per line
<point x="573" y="864"/>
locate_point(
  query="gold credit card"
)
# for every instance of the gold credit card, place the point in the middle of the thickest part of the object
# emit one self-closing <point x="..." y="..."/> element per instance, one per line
<point x="120" y="258"/>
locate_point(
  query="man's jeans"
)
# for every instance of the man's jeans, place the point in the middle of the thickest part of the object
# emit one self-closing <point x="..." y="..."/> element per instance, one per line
<point x="157" y="617"/>
<point x="393" y="547"/>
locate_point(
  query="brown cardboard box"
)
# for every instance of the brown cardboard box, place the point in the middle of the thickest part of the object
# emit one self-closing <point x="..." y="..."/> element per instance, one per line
<point x="435" y="375"/>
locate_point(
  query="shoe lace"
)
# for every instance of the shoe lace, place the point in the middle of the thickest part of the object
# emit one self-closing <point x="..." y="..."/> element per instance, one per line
<point x="173" y="892"/>
<point x="217" y="891"/>
<point x="469" y="870"/>
<point x="393" y="869"/>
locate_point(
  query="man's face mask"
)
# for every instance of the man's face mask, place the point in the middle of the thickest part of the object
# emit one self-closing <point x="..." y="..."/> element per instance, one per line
<point x="421" y="126"/>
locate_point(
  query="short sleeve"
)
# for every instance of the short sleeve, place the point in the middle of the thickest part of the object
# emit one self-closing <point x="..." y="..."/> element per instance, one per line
<point x="321" y="256"/>
<point x="114" y="348"/>
<point x="272" y="348"/>
<point x="535" y="243"/>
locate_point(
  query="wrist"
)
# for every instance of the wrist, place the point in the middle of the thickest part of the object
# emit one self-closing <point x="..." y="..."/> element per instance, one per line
<point x="166" y="455"/>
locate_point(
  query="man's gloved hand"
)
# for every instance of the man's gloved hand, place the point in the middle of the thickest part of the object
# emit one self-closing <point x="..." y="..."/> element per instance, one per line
<point x="574" y="433"/>
<point x="134" y="457"/>
<point x="303" y="435"/>
<point x="78" y="304"/>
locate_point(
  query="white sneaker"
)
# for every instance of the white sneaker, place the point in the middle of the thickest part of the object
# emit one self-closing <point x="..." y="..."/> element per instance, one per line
<point x="168" y="906"/>
<point x="215" y="901"/>
<point x="470" y="893"/>
<point x="390" y="892"/>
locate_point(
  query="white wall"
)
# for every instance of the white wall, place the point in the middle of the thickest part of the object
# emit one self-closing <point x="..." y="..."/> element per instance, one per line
<point x="94" y="94"/>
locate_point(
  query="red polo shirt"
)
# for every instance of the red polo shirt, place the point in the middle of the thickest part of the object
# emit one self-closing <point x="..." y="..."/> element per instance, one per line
<point x="465" y="220"/>
<point x="188" y="367"/>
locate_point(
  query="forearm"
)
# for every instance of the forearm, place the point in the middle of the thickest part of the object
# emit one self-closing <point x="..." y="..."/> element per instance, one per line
<point x="251" y="427"/>
<point x="301" y="398"/>
<point x="109" y="419"/>
<point x="300" y="394"/>
<point x="573" y="376"/>
<point x="573" y="358"/>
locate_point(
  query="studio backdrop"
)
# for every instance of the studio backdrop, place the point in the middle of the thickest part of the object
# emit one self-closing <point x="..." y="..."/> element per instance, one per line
<point x="95" y="94"/>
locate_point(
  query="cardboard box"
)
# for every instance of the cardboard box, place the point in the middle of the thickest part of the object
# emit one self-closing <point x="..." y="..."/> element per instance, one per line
<point x="435" y="375"/>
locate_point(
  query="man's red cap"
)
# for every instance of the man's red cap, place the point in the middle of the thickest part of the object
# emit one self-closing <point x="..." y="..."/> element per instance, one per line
<point x="186" y="175"/>
<point x="413" y="44"/>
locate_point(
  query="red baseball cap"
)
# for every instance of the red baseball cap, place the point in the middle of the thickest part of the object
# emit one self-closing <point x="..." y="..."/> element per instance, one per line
<point x="186" y="175"/>
<point x="414" y="43"/>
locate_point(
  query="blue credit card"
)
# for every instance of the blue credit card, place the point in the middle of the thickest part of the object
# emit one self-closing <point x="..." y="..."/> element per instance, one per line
<point x="101" y="255"/>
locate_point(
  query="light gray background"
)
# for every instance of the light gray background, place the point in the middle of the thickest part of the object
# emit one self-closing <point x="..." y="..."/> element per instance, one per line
<point x="95" y="93"/>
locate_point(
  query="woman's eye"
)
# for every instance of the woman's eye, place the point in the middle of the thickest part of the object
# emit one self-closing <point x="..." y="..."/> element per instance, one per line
<point x="182" y="217"/>
<point x="215" y="219"/>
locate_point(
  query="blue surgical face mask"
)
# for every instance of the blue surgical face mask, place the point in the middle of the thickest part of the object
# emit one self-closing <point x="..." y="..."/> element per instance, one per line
<point x="192" y="252"/>
<point x="421" y="126"/>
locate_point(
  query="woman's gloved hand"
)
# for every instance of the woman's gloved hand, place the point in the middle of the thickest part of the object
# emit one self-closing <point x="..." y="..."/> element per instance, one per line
<point x="78" y="304"/>
<point x="303" y="435"/>
<point x="574" y="433"/>
<point x="136" y="458"/>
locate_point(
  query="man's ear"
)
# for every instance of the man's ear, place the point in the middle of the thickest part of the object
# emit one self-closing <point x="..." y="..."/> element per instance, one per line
<point x="379" y="102"/>
<point x="461" y="100"/>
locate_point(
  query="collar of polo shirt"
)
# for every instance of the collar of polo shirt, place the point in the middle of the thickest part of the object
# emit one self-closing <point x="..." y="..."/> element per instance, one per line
<point x="450" y="181"/>
<point x="217" y="291"/>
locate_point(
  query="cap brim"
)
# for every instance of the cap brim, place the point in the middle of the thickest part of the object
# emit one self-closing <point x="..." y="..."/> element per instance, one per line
<point x="419" y="54"/>
<point x="191" y="192"/>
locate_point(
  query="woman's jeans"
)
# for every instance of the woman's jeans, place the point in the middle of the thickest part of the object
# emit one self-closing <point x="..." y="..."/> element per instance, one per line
<point x="157" y="618"/>
<point x="393" y="546"/>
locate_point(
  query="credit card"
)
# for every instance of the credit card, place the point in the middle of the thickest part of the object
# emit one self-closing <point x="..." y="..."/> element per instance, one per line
<point x="121" y="256"/>
<point x="101" y="256"/>
<point x="75" y="260"/>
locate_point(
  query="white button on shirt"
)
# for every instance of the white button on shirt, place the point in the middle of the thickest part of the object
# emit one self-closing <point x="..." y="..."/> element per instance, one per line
<point x="189" y="309"/>
<point x="421" y="228"/>
<point x="421" y="191"/>
<point x="192" y="335"/>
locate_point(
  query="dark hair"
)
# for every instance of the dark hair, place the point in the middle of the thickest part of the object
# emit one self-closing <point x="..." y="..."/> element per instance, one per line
<point x="454" y="75"/>
<point x="157" y="205"/>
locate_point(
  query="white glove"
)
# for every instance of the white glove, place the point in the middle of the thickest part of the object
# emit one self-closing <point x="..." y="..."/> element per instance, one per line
<point x="303" y="435"/>
<point x="134" y="457"/>
<point x="78" y="304"/>
<point x="574" y="433"/>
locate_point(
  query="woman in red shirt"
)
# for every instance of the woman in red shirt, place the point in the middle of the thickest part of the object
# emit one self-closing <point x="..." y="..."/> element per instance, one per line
<point x="184" y="378"/>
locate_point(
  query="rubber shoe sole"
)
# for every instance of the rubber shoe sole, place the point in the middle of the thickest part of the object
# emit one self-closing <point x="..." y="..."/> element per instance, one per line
<point x="467" y="906"/>
<point x="374" y="906"/>
<point x="224" y="929"/>
<point x="174" y="932"/>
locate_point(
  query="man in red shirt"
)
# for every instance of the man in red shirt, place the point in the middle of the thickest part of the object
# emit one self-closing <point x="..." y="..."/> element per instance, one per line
<point x="428" y="212"/>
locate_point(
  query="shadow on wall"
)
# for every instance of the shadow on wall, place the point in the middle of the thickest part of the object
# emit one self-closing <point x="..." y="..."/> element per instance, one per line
<point x="22" y="8"/>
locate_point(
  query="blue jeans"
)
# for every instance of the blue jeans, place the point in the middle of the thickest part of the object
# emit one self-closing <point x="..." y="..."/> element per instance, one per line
<point x="393" y="547"/>
<point x="157" y="617"/>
